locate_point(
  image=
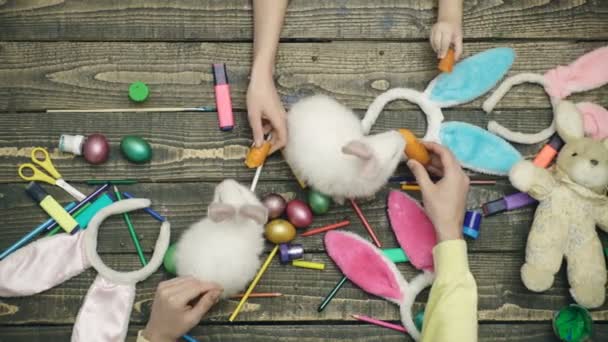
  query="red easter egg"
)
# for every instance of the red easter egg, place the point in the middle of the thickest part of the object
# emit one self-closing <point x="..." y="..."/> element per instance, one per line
<point x="299" y="213"/>
<point x="96" y="149"/>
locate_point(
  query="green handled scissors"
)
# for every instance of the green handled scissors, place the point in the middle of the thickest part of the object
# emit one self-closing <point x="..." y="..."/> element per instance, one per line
<point x="55" y="177"/>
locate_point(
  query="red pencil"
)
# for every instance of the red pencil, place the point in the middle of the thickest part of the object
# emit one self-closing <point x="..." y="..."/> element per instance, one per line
<point x="326" y="228"/>
<point x="365" y="223"/>
<point x="380" y="323"/>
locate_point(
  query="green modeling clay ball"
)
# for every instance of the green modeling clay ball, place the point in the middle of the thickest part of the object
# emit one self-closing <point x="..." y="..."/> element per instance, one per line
<point x="573" y="324"/>
<point x="318" y="202"/>
<point x="136" y="149"/>
<point x="169" y="260"/>
<point x="138" y="92"/>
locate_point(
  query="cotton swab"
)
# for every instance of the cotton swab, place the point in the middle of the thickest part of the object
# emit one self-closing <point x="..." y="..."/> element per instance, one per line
<point x="259" y="295"/>
<point x="365" y="223"/>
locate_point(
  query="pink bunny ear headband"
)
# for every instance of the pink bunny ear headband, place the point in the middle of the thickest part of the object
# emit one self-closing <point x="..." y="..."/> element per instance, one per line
<point x="368" y="268"/>
<point x="588" y="72"/>
<point x="104" y="315"/>
<point x="474" y="147"/>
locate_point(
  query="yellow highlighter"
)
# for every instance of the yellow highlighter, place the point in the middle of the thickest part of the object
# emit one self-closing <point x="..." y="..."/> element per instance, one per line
<point x="50" y="205"/>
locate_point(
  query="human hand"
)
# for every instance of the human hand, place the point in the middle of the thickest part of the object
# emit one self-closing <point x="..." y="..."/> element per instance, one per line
<point x="179" y="304"/>
<point x="445" y="200"/>
<point x="445" y="33"/>
<point x="265" y="111"/>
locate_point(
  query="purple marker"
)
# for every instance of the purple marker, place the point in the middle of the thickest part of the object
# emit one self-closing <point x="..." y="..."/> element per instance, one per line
<point x="507" y="203"/>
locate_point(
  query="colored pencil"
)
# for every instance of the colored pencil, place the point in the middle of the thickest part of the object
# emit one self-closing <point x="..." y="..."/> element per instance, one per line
<point x="259" y="295"/>
<point x="365" y="223"/>
<point x="152" y="212"/>
<point x="331" y="294"/>
<point x="326" y="228"/>
<point x="135" y="110"/>
<point x="82" y="203"/>
<point x="407" y="187"/>
<point x="110" y="181"/>
<point x="308" y="264"/>
<point x="132" y="232"/>
<point x="254" y="282"/>
<point x="380" y="323"/>
<point x="57" y="229"/>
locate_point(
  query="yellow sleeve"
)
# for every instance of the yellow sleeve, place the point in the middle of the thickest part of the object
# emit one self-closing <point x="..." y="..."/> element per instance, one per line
<point x="140" y="337"/>
<point x="451" y="312"/>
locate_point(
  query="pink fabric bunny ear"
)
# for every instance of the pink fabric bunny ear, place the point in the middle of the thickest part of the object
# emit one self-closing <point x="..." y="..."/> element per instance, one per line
<point x="595" y="120"/>
<point x="42" y="265"/>
<point x="588" y="72"/>
<point x="414" y="230"/>
<point x="365" y="266"/>
<point x="104" y="315"/>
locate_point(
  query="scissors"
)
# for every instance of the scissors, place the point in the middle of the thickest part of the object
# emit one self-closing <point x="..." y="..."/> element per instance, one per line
<point x="46" y="164"/>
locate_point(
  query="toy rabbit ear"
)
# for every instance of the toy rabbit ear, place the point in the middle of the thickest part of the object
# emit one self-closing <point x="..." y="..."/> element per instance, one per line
<point x="471" y="78"/>
<point x="364" y="152"/>
<point x="568" y="121"/>
<point x="588" y="72"/>
<point x="595" y="120"/>
<point x="42" y="265"/>
<point x="413" y="229"/>
<point x="257" y="213"/>
<point x="365" y="266"/>
<point x="478" y="149"/>
<point x="219" y="212"/>
<point x="105" y="313"/>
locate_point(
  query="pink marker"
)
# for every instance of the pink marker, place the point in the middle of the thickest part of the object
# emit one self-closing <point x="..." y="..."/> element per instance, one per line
<point x="222" y="97"/>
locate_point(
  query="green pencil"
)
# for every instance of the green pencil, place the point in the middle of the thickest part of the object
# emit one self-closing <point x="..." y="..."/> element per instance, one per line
<point x="115" y="181"/>
<point x="58" y="228"/>
<point x="140" y="253"/>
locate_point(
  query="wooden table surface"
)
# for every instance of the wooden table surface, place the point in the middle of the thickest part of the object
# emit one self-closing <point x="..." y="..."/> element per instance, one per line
<point x="83" y="54"/>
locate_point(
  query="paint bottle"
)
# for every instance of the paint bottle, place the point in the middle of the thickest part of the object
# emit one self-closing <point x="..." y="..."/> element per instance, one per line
<point x="95" y="147"/>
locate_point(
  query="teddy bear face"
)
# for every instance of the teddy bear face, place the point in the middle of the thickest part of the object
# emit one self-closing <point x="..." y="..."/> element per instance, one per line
<point x="585" y="161"/>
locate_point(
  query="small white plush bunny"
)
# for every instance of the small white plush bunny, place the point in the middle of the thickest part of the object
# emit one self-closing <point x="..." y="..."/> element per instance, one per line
<point x="225" y="246"/>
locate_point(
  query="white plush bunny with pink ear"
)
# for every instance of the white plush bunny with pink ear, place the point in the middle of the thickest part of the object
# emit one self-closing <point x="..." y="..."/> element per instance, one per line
<point x="588" y="72"/>
<point x="368" y="268"/>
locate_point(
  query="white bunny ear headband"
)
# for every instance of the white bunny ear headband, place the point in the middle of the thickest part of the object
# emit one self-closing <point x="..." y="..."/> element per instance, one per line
<point x="474" y="147"/>
<point x="104" y="315"/>
<point x="588" y="72"/>
<point x="368" y="268"/>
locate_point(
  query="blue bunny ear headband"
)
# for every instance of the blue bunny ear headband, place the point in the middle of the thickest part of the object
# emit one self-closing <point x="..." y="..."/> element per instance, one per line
<point x="475" y="148"/>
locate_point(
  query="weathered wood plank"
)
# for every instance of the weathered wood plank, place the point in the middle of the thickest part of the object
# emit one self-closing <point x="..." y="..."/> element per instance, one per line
<point x="186" y="203"/>
<point x="232" y="20"/>
<point x="535" y="332"/>
<point x="189" y="146"/>
<point x="502" y="296"/>
<point x="37" y="76"/>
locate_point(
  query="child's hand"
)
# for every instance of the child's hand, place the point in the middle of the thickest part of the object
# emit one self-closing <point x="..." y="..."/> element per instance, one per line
<point x="266" y="112"/>
<point x="444" y="34"/>
<point x="445" y="200"/>
<point x="179" y="304"/>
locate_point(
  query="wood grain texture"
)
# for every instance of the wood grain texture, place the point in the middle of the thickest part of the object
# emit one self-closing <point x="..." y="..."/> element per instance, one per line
<point x="37" y="76"/>
<point x="532" y="332"/>
<point x="155" y="20"/>
<point x="501" y="295"/>
<point x="186" y="203"/>
<point x="189" y="146"/>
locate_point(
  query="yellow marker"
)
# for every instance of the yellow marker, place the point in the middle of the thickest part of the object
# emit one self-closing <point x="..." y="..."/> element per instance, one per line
<point x="254" y="283"/>
<point x="308" y="264"/>
<point x="54" y="209"/>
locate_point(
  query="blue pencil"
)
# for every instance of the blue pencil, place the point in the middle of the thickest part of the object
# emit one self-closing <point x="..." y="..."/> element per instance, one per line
<point x="31" y="235"/>
<point x="189" y="338"/>
<point x="150" y="211"/>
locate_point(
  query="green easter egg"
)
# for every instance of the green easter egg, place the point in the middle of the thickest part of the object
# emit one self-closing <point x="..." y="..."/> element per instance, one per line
<point x="136" y="149"/>
<point x="138" y="91"/>
<point x="318" y="202"/>
<point x="169" y="260"/>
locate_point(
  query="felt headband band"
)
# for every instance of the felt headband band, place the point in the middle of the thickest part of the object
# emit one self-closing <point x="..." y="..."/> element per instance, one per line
<point x="162" y="243"/>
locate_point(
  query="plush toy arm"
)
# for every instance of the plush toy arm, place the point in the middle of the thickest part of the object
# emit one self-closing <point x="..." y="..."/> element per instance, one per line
<point x="536" y="181"/>
<point x="602" y="216"/>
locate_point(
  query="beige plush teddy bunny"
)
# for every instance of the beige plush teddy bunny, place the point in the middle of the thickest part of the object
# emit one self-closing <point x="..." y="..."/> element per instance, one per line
<point x="572" y="202"/>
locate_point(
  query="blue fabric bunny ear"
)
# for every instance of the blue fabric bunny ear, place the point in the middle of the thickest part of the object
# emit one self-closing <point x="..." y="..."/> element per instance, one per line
<point x="471" y="78"/>
<point x="478" y="149"/>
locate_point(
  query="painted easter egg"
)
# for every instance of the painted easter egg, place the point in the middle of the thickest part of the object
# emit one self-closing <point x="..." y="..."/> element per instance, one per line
<point x="96" y="149"/>
<point x="169" y="260"/>
<point x="298" y="213"/>
<point x="275" y="204"/>
<point x="136" y="149"/>
<point x="319" y="203"/>
<point x="279" y="231"/>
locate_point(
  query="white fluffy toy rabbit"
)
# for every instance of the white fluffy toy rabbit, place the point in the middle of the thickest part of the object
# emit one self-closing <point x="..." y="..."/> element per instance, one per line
<point x="225" y="246"/>
<point x="330" y="148"/>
